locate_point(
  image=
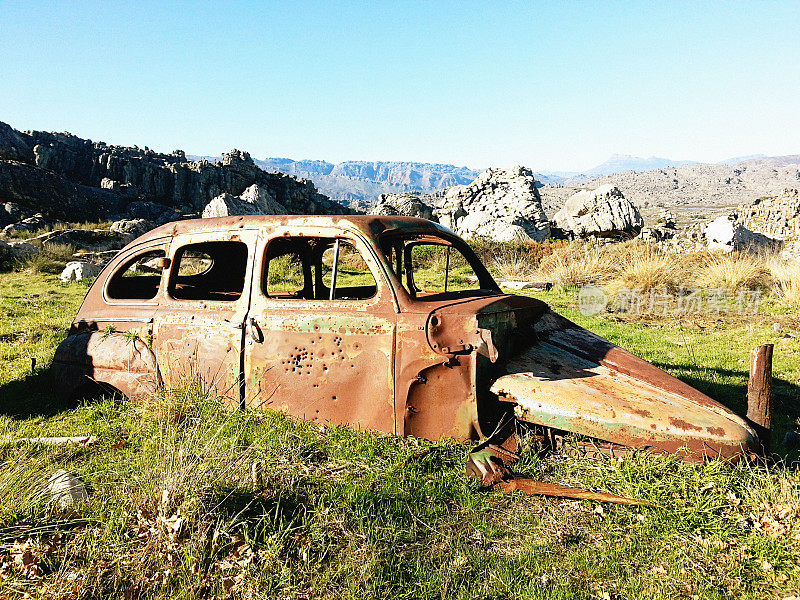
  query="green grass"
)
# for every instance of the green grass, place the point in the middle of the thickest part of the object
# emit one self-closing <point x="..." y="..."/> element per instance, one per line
<point x="26" y="235"/>
<point x="346" y="514"/>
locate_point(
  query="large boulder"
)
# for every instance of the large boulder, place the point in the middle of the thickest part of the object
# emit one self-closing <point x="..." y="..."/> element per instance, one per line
<point x="602" y="213"/>
<point x="226" y="205"/>
<point x="502" y="204"/>
<point x="409" y="205"/>
<point x="132" y="228"/>
<point x="506" y="202"/>
<point x="255" y="200"/>
<point x="260" y="197"/>
<point x="727" y="234"/>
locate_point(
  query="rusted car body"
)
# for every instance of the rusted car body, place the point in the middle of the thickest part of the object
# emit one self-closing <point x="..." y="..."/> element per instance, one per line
<point x="349" y="320"/>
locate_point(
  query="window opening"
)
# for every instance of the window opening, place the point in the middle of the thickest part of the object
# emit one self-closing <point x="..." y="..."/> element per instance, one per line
<point x="137" y="279"/>
<point x="438" y="268"/>
<point x="306" y="268"/>
<point x="431" y="267"/>
<point x="209" y="271"/>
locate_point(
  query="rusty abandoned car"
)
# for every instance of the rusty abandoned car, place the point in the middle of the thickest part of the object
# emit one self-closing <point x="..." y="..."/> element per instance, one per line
<point x="382" y="323"/>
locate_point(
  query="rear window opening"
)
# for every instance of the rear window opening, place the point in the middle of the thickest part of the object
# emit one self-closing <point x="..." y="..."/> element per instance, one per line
<point x="209" y="271"/>
<point x="304" y="268"/>
<point x="137" y="279"/>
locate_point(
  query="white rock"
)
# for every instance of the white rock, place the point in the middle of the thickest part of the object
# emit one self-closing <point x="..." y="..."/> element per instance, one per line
<point x="77" y="270"/>
<point x="725" y="233"/>
<point x="107" y="183"/>
<point x="66" y="489"/>
<point x="603" y="212"/>
<point x="263" y="200"/>
<point x="502" y="204"/>
<point x="255" y="200"/>
<point x="409" y="205"/>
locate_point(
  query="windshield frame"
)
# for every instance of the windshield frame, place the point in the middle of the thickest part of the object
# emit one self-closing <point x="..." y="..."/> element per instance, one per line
<point x="406" y="240"/>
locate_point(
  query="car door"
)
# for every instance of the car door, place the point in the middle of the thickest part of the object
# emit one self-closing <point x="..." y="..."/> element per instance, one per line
<point x="199" y="328"/>
<point x="314" y="354"/>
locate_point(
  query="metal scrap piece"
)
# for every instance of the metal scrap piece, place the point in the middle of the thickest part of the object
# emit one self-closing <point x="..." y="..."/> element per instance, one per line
<point x="541" y="488"/>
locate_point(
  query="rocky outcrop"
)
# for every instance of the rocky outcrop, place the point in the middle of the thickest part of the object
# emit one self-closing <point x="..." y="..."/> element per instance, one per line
<point x="255" y="200"/>
<point x="14" y="145"/>
<point x="38" y="190"/>
<point x="70" y="178"/>
<point x="600" y="213"/>
<point x="409" y="205"/>
<point x="502" y="204"/>
<point x="132" y="228"/>
<point x="726" y="234"/>
<point x="698" y="186"/>
<point x="777" y="217"/>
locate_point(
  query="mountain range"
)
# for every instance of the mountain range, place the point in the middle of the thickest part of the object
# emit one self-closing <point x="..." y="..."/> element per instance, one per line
<point x="359" y="183"/>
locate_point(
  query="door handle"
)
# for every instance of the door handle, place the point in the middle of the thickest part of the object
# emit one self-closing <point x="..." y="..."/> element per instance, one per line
<point x="255" y="330"/>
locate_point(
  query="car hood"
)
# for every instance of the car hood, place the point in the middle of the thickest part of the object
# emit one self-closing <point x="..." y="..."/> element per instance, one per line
<point x="560" y="375"/>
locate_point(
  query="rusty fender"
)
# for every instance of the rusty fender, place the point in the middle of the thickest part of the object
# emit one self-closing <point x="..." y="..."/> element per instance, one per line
<point x="124" y="362"/>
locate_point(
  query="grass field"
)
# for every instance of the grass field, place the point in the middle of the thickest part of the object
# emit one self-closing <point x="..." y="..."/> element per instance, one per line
<point x="174" y="510"/>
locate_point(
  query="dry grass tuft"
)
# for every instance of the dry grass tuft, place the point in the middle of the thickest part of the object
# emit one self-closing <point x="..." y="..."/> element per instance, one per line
<point x="785" y="280"/>
<point x="732" y="271"/>
<point x="512" y="264"/>
<point x="643" y="267"/>
<point x="577" y="265"/>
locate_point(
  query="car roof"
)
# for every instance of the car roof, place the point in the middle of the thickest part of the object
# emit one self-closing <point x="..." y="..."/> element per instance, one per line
<point x="370" y="225"/>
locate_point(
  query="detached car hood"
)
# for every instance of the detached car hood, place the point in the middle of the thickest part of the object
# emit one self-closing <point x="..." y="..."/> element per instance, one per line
<point x="561" y="376"/>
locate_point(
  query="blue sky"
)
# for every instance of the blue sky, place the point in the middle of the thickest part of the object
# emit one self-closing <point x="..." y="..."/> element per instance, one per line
<point x="552" y="85"/>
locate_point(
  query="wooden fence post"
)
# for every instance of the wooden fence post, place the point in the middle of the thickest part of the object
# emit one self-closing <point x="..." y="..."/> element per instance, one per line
<point x="759" y="393"/>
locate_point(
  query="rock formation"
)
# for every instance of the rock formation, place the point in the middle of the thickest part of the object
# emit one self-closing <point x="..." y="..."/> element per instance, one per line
<point x="502" y="204"/>
<point x="255" y="200"/>
<point x="410" y="205"/>
<point x="694" y="188"/>
<point x="727" y="234"/>
<point x="777" y="217"/>
<point x="70" y="178"/>
<point x="601" y="213"/>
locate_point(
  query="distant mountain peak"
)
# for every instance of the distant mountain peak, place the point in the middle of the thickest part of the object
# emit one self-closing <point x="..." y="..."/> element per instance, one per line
<point x="619" y="163"/>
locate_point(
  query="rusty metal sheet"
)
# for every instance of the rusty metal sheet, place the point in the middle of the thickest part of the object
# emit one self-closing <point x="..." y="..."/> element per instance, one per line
<point x="555" y="388"/>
